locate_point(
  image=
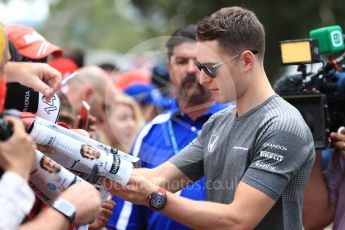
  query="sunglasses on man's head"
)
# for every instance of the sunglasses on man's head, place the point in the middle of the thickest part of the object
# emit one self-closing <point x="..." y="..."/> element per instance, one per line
<point x="210" y="69"/>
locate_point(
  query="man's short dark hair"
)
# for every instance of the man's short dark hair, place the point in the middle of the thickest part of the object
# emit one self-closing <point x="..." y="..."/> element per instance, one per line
<point x="185" y="34"/>
<point x="235" y="28"/>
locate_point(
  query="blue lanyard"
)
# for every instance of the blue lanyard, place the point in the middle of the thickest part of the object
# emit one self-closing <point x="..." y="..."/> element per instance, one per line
<point x="173" y="137"/>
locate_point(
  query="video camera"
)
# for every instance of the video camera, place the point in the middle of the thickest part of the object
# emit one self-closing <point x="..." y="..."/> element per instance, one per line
<point x="319" y="95"/>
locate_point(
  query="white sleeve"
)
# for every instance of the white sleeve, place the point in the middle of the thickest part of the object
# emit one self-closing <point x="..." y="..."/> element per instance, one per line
<point x="16" y="200"/>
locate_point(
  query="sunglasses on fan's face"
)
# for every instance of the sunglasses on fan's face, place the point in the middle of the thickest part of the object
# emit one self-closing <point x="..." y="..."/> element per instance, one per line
<point x="210" y="69"/>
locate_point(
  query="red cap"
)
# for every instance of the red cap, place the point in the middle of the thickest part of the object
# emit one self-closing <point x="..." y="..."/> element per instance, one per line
<point x="139" y="76"/>
<point x="65" y="65"/>
<point x="30" y="43"/>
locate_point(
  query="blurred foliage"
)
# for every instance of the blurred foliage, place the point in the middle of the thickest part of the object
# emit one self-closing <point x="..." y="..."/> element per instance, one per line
<point x="92" y="25"/>
<point x="121" y="24"/>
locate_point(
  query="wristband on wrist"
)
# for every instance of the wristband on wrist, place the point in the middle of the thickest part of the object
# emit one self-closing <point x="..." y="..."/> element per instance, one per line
<point x="65" y="208"/>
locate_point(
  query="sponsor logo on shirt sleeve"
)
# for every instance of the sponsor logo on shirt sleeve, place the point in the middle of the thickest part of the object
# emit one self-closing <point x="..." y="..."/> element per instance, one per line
<point x="269" y="160"/>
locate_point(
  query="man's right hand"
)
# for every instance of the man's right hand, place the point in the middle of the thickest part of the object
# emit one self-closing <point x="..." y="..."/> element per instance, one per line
<point x="86" y="199"/>
<point x="18" y="152"/>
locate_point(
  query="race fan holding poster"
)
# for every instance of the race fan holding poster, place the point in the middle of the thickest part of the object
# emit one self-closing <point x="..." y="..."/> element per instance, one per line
<point x="87" y="140"/>
<point x="79" y="156"/>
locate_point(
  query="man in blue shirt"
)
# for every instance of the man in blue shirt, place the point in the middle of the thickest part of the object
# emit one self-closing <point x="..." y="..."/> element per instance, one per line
<point x="169" y="132"/>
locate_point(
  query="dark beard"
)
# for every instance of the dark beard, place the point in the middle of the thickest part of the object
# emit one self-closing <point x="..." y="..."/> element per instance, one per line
<point x="195" y="95"/>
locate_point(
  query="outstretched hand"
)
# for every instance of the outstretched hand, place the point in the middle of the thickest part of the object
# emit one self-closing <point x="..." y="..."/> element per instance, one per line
<point x="39" y="76"/>
<point x="103" y="217"/>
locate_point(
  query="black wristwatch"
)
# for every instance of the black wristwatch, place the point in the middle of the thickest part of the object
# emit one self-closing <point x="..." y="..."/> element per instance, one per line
<point x="65" y="208"/>
<point x="158" y="199"/>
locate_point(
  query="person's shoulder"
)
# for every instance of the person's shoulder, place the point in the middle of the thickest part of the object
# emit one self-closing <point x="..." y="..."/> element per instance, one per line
<point x="281" y="109"/>
<point x="285" y="117"/>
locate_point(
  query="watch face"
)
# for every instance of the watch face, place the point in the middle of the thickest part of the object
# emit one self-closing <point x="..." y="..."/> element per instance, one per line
<point x="157" y="200"/>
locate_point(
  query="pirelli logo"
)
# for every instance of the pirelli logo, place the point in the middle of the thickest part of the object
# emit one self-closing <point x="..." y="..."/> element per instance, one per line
<point x="273" y="156"/>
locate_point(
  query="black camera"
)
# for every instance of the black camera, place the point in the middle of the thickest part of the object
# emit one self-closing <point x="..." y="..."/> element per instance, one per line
<point x="319" y="96"/>
<point x="6" y="129"/>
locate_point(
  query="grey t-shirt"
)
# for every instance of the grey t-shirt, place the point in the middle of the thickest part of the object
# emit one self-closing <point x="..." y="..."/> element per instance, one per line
<point x="270" y="148"/>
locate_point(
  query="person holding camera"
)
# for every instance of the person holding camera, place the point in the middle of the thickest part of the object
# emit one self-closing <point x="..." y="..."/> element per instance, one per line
<point x="80" y="203"/>
<point x="256" y="158"/>
<point x="16" y="197"/>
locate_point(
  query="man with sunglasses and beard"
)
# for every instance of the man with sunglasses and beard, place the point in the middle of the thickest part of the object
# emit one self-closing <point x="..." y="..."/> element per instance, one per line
<point x="170" y="132"/>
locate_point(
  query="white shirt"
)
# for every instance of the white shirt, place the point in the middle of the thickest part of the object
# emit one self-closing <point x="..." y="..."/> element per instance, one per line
<point x="16" y="200"/>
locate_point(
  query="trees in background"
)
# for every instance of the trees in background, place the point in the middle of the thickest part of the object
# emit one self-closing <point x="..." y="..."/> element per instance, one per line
<point x="122" y="24"/>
